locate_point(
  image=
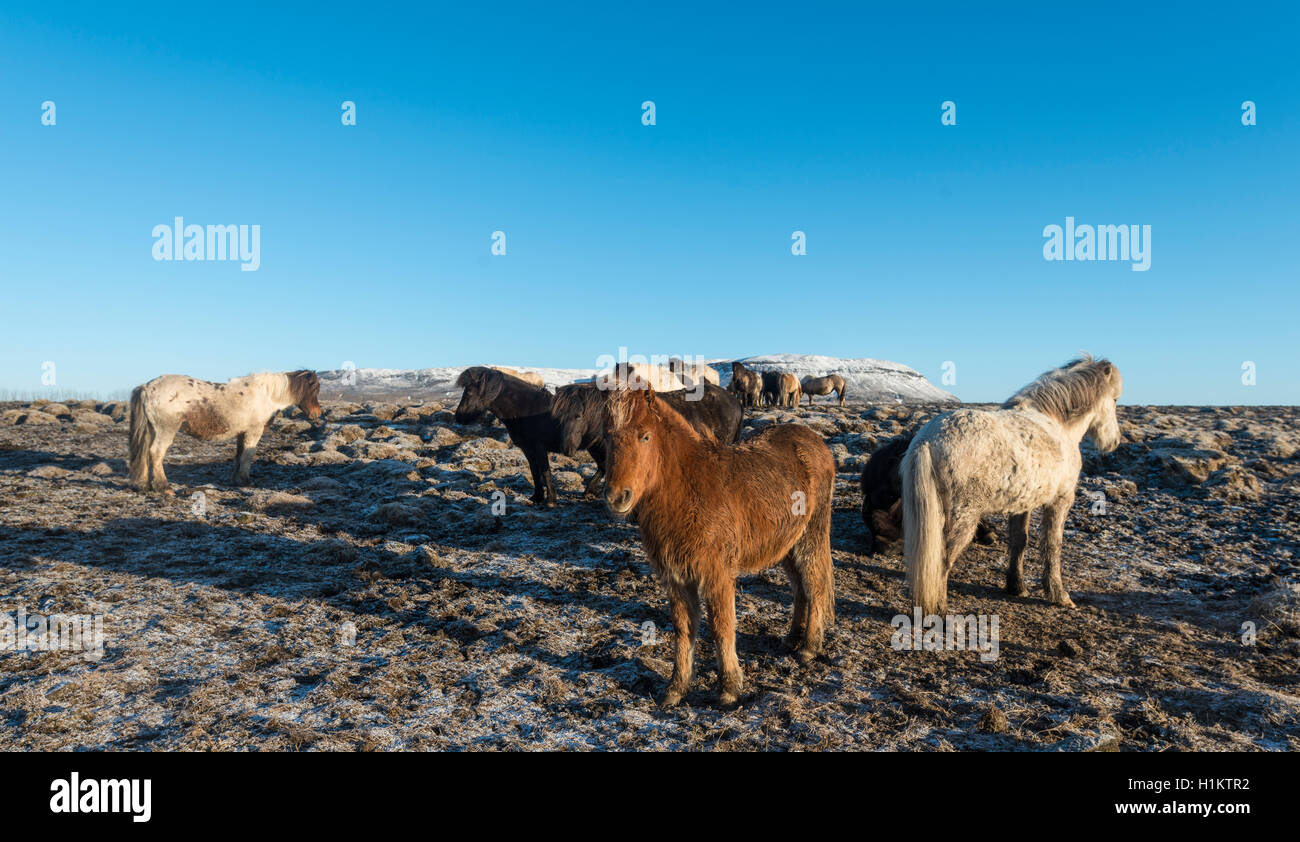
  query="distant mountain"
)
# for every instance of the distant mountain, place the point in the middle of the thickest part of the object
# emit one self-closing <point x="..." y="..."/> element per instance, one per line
<point x="872" y="381"/>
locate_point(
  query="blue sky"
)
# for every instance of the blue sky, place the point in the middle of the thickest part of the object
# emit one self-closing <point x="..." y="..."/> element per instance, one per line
<point x="924" y="242"/>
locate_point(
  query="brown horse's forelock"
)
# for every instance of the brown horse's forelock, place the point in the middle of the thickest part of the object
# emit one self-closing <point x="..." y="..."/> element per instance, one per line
<point x="1069" y="391"/>
<point x="620" y="408"/>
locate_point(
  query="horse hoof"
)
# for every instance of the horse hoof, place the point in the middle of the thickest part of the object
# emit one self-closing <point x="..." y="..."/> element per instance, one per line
<point x="1065" y="602"/>
<point x="728" y="699"/>
<point x="1017" y="590"/>
<point x="792" y="641"/>
<point x="805" y="656"/>
<point x="670" y="698"/>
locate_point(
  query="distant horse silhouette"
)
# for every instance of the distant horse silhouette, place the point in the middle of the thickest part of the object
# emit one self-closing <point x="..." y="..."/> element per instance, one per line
<point x="525" y="410"/>
<point x="239" y="410"/>
<point x="746" y="385"/>
<point x="882" y="497"/>
<point x="709" y="511"/>
<point x="822" y="386"/>
<point x="580" y="412"/>
<point x="969" y="462"/>
<point x="780" y="388"/>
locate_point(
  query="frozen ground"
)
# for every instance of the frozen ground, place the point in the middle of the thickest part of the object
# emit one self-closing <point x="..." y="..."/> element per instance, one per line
<point x="364" y="595"/>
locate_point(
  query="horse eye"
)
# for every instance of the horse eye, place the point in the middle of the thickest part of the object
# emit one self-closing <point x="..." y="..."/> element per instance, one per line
<point x="645" y="437"/>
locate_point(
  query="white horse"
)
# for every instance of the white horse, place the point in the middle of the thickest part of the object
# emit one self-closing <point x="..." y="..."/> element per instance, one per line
<point x="969" y="463"/>
<point x="692" y="373"/>
<point x="635" y="375"/>
<point x="236" y="410"/>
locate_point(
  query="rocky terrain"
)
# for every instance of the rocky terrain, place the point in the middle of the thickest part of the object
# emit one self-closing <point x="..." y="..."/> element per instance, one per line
<point x="385" y="584"/>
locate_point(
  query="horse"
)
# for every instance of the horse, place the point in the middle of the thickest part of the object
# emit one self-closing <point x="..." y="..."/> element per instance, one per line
<point x="967" y="463"/>
<point x="882" y="497"/>
<point x="530" y="377"/>
<point x="709" y="511"/>
<point x="239" y="410"/>
<point x="692" y="373"/>
<point x="637" y="375"/>
<point x="580" y="407"/>
<point x="823" y="386"/>
<point x="746" y="385"/>
<point x="780" y="388"/>
<point x="525" y="409"/>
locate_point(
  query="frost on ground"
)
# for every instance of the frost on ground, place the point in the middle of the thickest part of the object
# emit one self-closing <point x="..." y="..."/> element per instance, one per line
<point x="364" y="594"/>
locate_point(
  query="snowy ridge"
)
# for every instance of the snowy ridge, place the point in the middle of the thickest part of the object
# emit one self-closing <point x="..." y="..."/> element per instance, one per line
<point x="870" y="380"/>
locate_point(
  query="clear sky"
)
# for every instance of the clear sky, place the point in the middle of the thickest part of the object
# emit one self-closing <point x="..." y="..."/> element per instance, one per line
<point x="924" y="241"/>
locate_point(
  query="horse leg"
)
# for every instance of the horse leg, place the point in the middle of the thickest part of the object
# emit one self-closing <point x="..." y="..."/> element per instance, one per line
<point x="247" y="445"/>
<point x="157" y="450"/>
<point x="812" y="559"/>
<point x="684" y="604"/>
<point x="799" y="611"/>
<point x="1017" y="540"/>
<point x="239" y="457"/>
<point x="539" y="466"/>
<point x="1053" y="528"/>
<point x="957" y="536"/>
<point x="722" y="617"/>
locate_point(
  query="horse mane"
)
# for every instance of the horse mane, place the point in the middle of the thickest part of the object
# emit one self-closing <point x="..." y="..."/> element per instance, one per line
<point x="621" y="408"/>
<point x="575" y="400"/>
<point x="1069" y="391"/>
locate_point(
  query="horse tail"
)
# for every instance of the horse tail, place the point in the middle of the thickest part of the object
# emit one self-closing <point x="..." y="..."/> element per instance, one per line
<point x="923" y="531"/>
<point x="141" y="437"/>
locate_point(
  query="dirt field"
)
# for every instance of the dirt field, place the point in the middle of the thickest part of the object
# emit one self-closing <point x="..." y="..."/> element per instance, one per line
<point x="364" y="595"/>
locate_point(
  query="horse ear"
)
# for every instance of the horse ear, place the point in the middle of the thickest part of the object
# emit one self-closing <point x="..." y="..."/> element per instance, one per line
<point x="1108" y="368"/>
<point x="649" y="393"/>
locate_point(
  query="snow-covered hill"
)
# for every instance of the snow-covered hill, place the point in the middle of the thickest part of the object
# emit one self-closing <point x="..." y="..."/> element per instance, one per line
<point x="873" y="381"/>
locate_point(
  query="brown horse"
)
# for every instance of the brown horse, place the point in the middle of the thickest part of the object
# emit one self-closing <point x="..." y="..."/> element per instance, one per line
<point x="823" y="386"/>
<point x="746" y="385"/>
<point x="710" y="511"/>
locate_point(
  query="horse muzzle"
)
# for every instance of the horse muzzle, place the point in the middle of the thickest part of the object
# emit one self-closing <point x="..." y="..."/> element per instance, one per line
<point x="619" y="500"/>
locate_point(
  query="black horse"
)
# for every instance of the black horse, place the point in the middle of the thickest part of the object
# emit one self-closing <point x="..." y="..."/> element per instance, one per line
<point x="579" y="410"/>
<point x="525" y="409"/>
<point x="882" y="493"/>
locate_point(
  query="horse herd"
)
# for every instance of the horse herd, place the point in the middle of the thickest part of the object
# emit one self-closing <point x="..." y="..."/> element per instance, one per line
<point x="711" y="506"/>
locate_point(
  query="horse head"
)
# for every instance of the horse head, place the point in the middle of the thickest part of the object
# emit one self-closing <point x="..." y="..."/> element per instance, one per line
<point x="632" y="454"/>
<point x="304" y="387"/>
<point x="481" y="387"/>
<point x="1104" y="429"/>
<point x="573" y="411"/>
